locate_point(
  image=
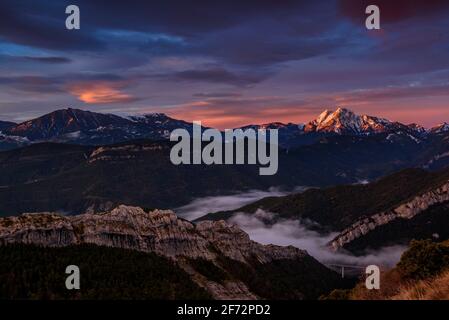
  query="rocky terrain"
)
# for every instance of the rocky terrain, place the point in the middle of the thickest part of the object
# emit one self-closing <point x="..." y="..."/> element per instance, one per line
<point x="132" y="228"/>
<point x="71" y="160"/>
<point x="91" y="128"/>
<point x="87" y="128"/>
<point x="216" y="243"/>
<point x="71" y="178"/>
<point x="345" y="121"/>
<point x="407" y="210"/>
<point x="411" y="204"/>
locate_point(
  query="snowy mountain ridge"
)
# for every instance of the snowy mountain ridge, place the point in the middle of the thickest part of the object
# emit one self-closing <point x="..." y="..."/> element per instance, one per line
<point x="92" y="128"/>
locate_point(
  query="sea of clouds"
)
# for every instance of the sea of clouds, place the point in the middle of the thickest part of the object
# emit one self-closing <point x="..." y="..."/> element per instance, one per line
<point x="202" y="206"/>
<point x="285" y="232"/>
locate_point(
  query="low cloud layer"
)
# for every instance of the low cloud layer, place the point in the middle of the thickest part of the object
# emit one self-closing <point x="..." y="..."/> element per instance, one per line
<point x="296" y="233"/>
<point x="203" y="206"/>
<point x="285" y="232"/>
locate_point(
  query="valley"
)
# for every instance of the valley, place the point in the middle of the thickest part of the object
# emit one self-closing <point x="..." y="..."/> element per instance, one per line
<point x="356" y="225"/>
<point x="223" y="150"/>
<point x="73" y="176"/>
<point x="350" y="190"/>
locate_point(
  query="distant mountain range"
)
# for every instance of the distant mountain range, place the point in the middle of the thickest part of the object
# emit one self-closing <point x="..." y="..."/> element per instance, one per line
<point x="90" y="128"/>
<point x="343" y="122"/>
<point x="6" y="124"/>
<point x="374" y="183"/>
<point x="87" y="128"/>
<point x="74" y="160"/>
<point x="74" y="178"/>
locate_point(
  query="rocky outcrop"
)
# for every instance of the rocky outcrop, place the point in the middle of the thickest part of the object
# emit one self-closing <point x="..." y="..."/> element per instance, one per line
<point x="158" y="231"/>
<point x="344" y="121"/>
<point x="407" y="210"/>
<point x="124" y="152"/>
<point x="435" y="159"/>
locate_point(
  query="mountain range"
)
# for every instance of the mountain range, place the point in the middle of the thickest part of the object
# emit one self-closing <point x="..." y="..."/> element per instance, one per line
<point x="60" y="168"/>
<point x="91" y="178"/>
<point x="90" y="128"/>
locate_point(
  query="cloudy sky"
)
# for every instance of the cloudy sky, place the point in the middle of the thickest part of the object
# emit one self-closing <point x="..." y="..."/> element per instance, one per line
<point x="226" y="63"/>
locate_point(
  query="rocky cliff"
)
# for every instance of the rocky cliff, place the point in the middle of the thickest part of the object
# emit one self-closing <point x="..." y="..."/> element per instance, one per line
<point x="406" y="210"/>
<point x="158" y="231"/>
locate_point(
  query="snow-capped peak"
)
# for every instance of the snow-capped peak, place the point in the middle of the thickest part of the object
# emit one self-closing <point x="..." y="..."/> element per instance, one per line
<point x="443" y="127"/>
<point x="145" y="116"/>
<point x="418" y="128"/>
<point x="323" y="116"/>
<point x="343" y="120"/>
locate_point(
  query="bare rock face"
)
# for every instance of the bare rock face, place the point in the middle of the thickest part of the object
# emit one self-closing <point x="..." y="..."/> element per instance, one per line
<point x="234" y="243"/>
<point x="120" y="153"/>
<point x="159" y="231"/>
<point x="46" y="229"/>
<point x="407" y="210"/>
<point x="345" y="121"/>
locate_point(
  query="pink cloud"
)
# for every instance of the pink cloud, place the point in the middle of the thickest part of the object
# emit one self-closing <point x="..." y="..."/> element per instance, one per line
<point x="99" y="92"/>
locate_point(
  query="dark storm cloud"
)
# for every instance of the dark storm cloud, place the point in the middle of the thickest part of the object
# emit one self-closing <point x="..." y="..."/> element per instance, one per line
<point x="215" y="75"/>
<point x="391" y="93"/>
<point x="35" y="59"/>
<point x="35" y="19"/>
<point x="277" y="55"/>
<point x="183" y="17"/>
<point x="263" y="36"/>
<point x="217" y="95"/>
<point x="274" y="40"/>
<point x="392" y="11"/>
<point x="251" y="32"/>
<point x="42" y="25"/>
<point x="255" y="47"/>
<point x="90" y="76"/>
<point x="52" y="60"/>
<point x="409" y="44"/>
<point x="32" y="84"/>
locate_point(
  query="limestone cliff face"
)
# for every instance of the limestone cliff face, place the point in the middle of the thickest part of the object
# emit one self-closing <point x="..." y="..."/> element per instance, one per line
<point x="406" y="210"/>
<point x="125" y="152"/>
<point x="159" y="231"/>
<point x="128" y="227"/>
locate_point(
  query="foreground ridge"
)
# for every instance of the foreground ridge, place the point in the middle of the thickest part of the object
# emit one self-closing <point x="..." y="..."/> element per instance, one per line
<point x="159" y="231"/>
<point x="407" y="210"/>
<point x="217" y="256"/>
